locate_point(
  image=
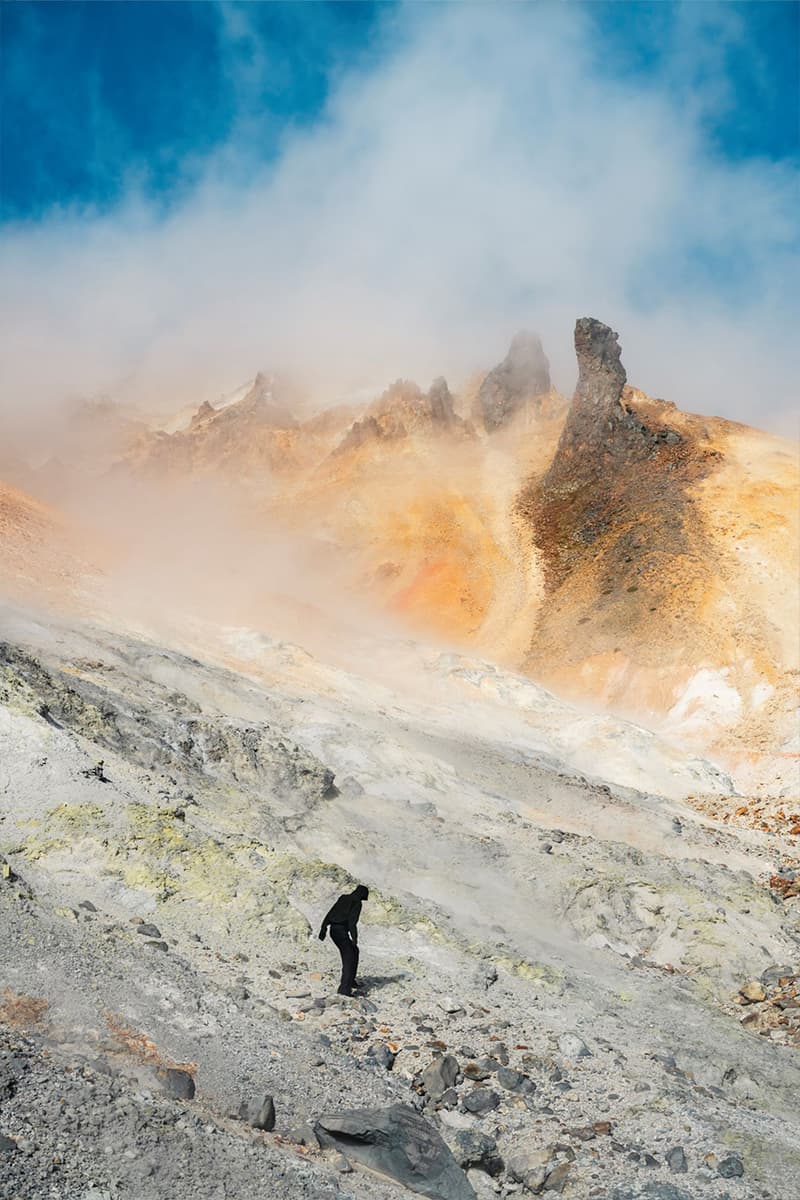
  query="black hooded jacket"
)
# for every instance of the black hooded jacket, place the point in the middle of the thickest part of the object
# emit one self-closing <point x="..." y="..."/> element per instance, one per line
<point x="346" y="911"/>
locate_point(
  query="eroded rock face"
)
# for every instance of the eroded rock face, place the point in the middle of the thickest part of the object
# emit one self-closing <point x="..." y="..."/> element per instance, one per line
<point x="601" y="373"/>
<point x="612" y="518"/>
<point x="523" y="375"/>
<point x="159" y="734"/>
<point x="440" y="402"/>
<point x="602" y="432"/>
<point x="405" y="409"/>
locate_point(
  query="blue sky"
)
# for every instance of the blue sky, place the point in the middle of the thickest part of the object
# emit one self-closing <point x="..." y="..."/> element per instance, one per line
<point x="98" y="95"/>
<point x="191" y="192"/>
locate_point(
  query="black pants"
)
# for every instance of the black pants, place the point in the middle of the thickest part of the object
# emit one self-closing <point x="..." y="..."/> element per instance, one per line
<point x="348" y="949"/>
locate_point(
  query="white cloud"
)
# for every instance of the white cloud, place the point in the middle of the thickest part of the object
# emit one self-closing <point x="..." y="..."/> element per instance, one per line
<point x="488" y="173"/>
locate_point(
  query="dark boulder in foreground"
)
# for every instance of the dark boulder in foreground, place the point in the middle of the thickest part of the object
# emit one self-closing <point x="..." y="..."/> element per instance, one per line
<point x="399" y="1143"/>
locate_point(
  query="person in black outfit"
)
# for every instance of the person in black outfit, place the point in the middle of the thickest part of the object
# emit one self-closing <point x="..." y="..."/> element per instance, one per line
<point x="342" y="919"/>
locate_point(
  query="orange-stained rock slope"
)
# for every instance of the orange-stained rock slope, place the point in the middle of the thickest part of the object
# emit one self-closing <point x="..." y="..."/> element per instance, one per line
<point x="40" y="559"/>
<point x="625" y="553"/>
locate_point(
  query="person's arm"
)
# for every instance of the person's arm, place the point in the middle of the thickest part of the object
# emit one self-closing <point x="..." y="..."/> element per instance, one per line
<point x="353" y="922"/>
<point x="323" y="930"/>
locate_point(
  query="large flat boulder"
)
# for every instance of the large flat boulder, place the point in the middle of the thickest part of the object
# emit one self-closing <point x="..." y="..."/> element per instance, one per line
<point x="399" y="1143"/>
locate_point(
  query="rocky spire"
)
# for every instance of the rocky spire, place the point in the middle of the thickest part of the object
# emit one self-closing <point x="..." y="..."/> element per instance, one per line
<point x="523" y="375"/>
<point x="601" y="373"/>
<point x="597" y="422"/>
<point x="440" y="402"/>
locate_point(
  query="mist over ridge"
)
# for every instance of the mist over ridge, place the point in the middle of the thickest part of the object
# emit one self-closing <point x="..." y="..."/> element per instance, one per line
<point x="486" y="172"/>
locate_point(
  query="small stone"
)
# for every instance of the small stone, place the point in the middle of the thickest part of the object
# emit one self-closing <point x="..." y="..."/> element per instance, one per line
<point x="440" y="1075"/>
<point x="87" y="906"/>
<point x="731" y="1167"/>
<point x="514" y="1081"/>
<point x="530" y="1168"/>
<point x="481" y="1069"/>
<point x="752" y="992"/>
<point x="676" y="1160"/>
<point x="557" y="1178"/>
<point x="259" y="1113"/>
<point x="584" y="1134"/>
<point x="481" y="1100"/>
<point x="158" y="945"/>
<point x="382" y="1055"/>
<point x="449" y="1005"/>
<point x="304" y="1135"/>
<point x="342" y="1165"/>
<point x="770" y="977"/>
<point x="471" y="1148"/>
<point x="147" y="930"/>
<point x="7" y="1144"/>
<point x="572" y="1046"/>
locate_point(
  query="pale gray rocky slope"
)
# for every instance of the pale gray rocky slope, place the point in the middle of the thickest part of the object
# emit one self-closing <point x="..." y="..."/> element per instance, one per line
<point x="550" y="951"/>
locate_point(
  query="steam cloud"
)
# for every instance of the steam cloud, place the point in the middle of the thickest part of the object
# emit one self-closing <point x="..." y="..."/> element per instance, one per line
<point x="485" y="173"/>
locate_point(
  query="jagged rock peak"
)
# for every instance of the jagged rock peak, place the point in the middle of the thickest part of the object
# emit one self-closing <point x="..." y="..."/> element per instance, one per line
<point x="440" y="401"/>
<point x="205" y="411"/>
<point x="404" y="410"/>
<point x="262" y="390"/>
<point x="272" y="399"/>
<point x="523" y="375"/>
<point x="601" y="375"/>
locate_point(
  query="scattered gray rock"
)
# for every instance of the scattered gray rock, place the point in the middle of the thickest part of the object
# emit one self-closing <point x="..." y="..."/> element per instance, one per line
<point x="472" y="1148"/>
<point x="304" y="1135"/>
<point x="260" y="1113"/>
<point x="440" y="1075"/>
<point x="399" y="1143"/>
<point x="481" y="1100"/>
<point x="176" y="1083"/>
<point x="557" y="1178"/>
<point x="7" y="1144"/>
<point x="514" y="1081"/>
<point x="573" y="1046"/>
<point x="482" y="1069"/>
<point x="676" y="1160"/>
<point x="731" y="1167"/>
<point x="530" y="1168"/>
<point x="148" y="930"/>
<point x="382" y="1055"/>
<point x="770" y="977"/>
